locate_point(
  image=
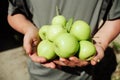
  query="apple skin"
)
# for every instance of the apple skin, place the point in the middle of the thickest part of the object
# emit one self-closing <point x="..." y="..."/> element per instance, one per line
<point x="66" y="45"/>
<point x="81" y="30"/>
<point x="87" y="50"/>
<point x="60" y="20"/>
<point x="53" y="31"/>
<point x="43" y="31"/>
<point x="46" y="49"/>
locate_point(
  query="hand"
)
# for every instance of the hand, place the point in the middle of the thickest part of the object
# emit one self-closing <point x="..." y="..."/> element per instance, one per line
<point x="31" y="40"/>
<point x="74" y="61"/>
<point x="71" y="62"/>
<point x="99" y="55"/>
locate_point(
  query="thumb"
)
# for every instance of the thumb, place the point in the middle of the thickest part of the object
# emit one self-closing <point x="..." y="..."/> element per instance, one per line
<point x="99" y="55"/>
<point x="27" y="44"/>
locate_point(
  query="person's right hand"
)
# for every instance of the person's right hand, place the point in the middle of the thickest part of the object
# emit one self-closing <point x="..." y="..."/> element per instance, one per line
<point x="74" y="61"/>
<point x="31" y="40"/>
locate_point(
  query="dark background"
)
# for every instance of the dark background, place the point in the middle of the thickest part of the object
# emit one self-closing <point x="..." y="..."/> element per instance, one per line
<point x="9" y="38"/>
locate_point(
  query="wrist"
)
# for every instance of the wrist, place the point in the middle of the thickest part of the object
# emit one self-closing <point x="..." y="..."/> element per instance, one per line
<point x="30" y="28"/>
<point x="100" y="42"/>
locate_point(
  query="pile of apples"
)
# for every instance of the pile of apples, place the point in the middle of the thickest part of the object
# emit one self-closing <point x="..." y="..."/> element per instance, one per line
<point x="66" y="38"/>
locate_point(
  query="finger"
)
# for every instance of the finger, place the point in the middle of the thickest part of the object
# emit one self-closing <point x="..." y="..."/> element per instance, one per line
<point x="36" y="42"/>
<point x="82" y="63"/>
<point x="64" y="62"/>
<point x="75" y="59"/>
<point x="63" y="59"/>
<point x="61" y="63"/>
<point x="27" y="45"/>
<point x="37" y="59"/>
<point x="67" y="62"/>
<point x="99" y="55"/>
<point x="49" y="65"/>
<point x="79" y="62"/>
<point x="95" y="60"/>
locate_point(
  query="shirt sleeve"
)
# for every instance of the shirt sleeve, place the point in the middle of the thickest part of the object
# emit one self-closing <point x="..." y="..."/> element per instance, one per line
<point x="11" y="8"/>
<point x="16" y="8"/>
<point x="114" y="12"/>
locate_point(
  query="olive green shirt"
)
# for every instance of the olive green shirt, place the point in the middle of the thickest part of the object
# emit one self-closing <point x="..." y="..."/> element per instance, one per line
<point x="91" y="11"/>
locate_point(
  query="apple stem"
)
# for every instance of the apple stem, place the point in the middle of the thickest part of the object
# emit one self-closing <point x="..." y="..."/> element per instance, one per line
<point x="57" y="11"/>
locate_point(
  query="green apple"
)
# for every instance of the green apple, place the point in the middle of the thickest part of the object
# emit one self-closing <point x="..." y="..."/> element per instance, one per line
<point x="53" y="31"/>
<point x="66" y="45"/>
<point x="59" y="19"/>
<point x="46" y="49"/>
<point x="42" y="32"/>
<point x="87" y="50"/>
<point x="81" y="30"/>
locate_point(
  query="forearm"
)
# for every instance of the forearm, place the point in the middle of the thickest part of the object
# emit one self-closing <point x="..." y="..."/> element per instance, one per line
<point x="20" y="23"/>
<point x="107" y="33"/>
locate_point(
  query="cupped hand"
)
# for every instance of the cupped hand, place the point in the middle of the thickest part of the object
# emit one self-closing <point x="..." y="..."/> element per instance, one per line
<point x="99" y="55"/>
<point x="75" y="61"/>
<point x="31" y="40"/>
<point x="71" y="62"/>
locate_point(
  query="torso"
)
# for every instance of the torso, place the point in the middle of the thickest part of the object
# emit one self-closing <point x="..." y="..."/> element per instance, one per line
<point x="44" y="10"/>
